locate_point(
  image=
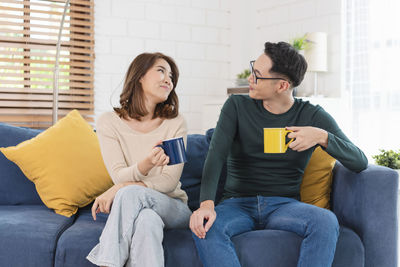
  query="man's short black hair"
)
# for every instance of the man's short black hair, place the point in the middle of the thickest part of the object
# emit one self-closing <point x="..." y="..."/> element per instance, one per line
<point x="286" y="61"/>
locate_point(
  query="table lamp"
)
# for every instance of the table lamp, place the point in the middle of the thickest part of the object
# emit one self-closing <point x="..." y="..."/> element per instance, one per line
<point x="316" y="55"/>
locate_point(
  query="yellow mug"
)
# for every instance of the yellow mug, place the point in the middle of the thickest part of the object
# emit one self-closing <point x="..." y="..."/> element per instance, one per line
<point x="275" y="140"/>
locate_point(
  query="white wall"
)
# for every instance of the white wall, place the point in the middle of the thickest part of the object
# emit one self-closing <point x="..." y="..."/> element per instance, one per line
<point x="244" y="31"/>
<point x="211" y="41"/>
<point x="195" y="33"/>
<point x="283" y="20"/>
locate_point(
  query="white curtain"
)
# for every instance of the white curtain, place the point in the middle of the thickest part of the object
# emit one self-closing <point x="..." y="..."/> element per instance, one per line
<point x="372" y="72"/>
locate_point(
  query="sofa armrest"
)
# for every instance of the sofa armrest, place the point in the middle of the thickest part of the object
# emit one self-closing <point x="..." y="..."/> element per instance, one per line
<point x="367" y="203"/>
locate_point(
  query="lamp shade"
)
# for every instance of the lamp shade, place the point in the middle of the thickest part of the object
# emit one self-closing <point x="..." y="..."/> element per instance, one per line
<point x="316" y="55"/>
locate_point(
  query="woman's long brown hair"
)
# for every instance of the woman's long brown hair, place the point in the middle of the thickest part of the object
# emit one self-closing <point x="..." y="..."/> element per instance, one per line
<point x="132" y="97"/>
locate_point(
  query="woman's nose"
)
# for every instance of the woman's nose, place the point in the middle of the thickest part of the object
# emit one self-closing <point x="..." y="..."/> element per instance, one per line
<point x="168" y="80"/>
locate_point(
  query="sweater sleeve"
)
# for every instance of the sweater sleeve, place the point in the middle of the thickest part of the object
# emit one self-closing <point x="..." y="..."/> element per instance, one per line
<point x="339" y="146"/>
<point x="112" y="153"/>
<point x="219" y="149"/>
<point x="168" y="180"/>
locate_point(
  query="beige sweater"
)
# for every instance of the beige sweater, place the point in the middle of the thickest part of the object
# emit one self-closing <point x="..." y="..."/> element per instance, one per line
<point x="122" y="148"/>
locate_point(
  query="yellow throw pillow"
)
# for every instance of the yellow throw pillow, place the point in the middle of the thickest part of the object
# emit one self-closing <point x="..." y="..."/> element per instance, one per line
<point x="317" y="179"/>
<point x="65" y="163"/>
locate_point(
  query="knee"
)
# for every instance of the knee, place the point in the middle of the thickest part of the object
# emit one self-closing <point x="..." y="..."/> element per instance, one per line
<point x="218" y="231"/>
<point x="149" y="219"/>
<point x="202" y="243"/>
<point x="327" y="222"/>
<point x="217" y="235"/>
<point x="130" y="192"/>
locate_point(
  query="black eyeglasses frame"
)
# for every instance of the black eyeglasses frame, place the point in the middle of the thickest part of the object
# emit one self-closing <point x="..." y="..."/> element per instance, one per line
<point x="252" y="72"/>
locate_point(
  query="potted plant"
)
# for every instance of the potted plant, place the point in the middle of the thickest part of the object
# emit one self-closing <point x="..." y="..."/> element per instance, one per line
<point x="388" y="158"/>
<point x="301" y="43"/>
<point x="241" y="78"/>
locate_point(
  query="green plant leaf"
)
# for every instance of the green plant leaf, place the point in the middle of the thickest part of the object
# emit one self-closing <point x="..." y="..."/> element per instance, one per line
<point x="244" y="74"/>
<point x="388" y="158"/>
<point x="301" y="43"/>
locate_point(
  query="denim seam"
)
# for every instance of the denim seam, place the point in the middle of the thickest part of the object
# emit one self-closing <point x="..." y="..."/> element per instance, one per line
<point x="259" y="210"/>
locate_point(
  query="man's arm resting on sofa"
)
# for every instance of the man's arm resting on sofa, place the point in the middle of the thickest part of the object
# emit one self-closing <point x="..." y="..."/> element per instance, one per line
<point x="367" y="203"/>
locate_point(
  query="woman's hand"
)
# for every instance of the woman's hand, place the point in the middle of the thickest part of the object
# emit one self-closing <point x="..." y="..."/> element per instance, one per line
<point x="156" y="157"/>
<point x="104" y="201"/>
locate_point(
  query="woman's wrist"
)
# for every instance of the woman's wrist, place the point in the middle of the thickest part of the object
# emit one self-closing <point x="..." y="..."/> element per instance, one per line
<point x="121" y="185"/>
<point x="132" y="183"/>
<point x="145" y="166"/>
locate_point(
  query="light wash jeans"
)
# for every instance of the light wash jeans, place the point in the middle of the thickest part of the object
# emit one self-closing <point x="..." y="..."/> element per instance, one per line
<point x="133" y="233"/>
<point x="318" y="227"/>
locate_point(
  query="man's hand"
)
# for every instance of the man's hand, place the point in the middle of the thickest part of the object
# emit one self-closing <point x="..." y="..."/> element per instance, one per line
<point x="206" y="211"/>
<point x="104" y="201"/>
<point x="306" y="137"/>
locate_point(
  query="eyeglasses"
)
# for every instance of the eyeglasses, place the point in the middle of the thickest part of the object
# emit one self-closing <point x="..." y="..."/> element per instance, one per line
<point x="261" y="78"/>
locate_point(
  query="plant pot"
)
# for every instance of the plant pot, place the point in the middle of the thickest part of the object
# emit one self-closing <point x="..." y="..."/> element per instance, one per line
<point x="242" y="82"/>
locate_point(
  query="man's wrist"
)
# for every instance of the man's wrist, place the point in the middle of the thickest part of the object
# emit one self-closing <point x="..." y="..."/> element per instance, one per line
<point x="324" y="138"/>
<point x="207" y="204"/>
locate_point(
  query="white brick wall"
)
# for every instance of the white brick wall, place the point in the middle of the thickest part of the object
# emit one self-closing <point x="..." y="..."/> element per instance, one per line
<point x="211" y="41"/>
<point x="195" y="33"/>
<point x="282" y="20"/>
<point x="191" y="15"/>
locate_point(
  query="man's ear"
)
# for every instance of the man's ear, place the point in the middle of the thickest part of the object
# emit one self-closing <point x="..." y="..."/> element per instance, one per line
<point x="283" y="86"/>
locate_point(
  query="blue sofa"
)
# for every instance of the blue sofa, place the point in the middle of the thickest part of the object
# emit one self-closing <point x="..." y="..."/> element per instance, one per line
<point x="33" y="235"/>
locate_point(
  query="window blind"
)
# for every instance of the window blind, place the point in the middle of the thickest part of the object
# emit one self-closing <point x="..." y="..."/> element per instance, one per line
<point x="28" y="38"/>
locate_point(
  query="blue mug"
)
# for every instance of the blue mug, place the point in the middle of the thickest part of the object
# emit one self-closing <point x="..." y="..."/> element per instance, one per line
<point x="174" y="148"/>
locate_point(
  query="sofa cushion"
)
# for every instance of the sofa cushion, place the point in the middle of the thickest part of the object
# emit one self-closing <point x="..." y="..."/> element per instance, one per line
<point x="15" y="189"/>
<point x="256" y="248"/>
<point x="79" y="239"/>
<point x="196" y="152"/>
<point x="316" y="185"/>
<point x="65" y="163"/>
<point x="350" y="250"/>
<point x="28" y="235"/>
<point x="180" y="249"/>
<point x="281" y="248"/>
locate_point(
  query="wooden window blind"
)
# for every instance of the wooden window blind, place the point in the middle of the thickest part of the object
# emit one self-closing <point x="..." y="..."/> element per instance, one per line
<point x="28" y="37"/>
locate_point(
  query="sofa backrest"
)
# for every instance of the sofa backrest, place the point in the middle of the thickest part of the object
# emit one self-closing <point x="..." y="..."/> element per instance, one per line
<point x="15" y="188"/>
<point x="196" y="151"/>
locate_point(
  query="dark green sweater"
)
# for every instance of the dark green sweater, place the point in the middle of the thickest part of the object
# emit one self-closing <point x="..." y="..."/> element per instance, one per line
<point x="238" y="140"/>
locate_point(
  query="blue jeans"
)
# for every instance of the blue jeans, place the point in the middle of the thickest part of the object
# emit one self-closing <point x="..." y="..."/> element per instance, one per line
<point x="318" y="227"/>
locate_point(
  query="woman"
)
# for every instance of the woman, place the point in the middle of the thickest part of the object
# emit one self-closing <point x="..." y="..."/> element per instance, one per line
<point x="147" y="194"/>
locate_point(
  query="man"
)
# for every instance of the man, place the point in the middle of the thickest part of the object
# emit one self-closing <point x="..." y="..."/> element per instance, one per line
<point x="262" y="189"/>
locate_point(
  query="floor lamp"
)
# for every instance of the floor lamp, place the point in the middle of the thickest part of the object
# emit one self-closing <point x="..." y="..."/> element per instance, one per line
<point x="316" y="55"/>
<point x="56" y="66"/>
